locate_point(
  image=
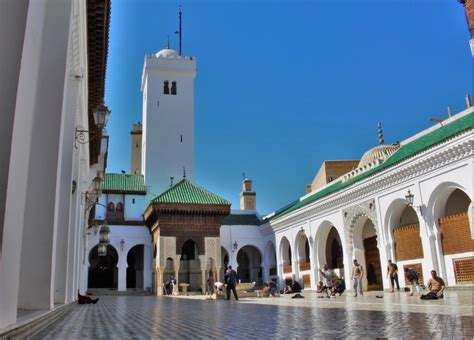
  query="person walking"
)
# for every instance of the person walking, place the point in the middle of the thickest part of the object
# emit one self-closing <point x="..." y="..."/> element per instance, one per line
<point x="231" y="279"/>
<point x="412" y="277"/>
<point x="357" y="274"/>
<point x="392" y="273"/>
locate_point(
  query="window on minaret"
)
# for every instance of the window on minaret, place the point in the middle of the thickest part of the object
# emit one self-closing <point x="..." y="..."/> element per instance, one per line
<point x="166" y="87"/>
<point x="173" y="88"/>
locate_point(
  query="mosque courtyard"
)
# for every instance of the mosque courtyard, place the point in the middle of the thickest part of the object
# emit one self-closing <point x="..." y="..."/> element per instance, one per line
<point x="395" y="315"/>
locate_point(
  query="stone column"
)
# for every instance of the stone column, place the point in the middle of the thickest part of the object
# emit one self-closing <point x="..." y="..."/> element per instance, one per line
<point x="35" y="157"/>
<point x="218" y="274"/>
<point x="176" y="274"/>
<point x="159" y="281"/>
<point x="13" y="17"/>
<point x="146" y="267"/>
<point x="122" y="272"/>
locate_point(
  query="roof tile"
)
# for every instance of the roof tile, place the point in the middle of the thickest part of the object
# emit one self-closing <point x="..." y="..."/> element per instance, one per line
<point x="186" y="191"/>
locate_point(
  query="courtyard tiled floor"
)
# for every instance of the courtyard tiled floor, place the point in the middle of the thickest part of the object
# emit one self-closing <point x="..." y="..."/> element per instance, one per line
<point x="395" y="315"/>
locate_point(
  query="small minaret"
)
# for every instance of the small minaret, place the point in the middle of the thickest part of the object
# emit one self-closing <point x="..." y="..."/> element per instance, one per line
<point x="136" y="150"/>
<point x="248" y="198"/>
<point x="469" y="12"/>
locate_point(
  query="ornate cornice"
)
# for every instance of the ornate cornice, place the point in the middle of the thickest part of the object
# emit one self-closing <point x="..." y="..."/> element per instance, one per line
<point x="453" y="149"/>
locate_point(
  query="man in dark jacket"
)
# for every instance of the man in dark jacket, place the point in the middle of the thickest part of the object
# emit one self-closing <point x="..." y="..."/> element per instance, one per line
<point x="231" y="279"/>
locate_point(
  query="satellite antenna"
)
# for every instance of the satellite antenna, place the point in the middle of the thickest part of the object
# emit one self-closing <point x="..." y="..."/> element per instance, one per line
<point x="180" y="29"/>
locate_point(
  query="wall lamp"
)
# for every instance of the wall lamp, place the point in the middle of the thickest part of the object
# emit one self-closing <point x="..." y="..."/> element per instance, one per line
<point x="101" y="116"/>
<point x="235" y="246"/>
<point x="122" y="244"/>
<point x="409" y="197"/>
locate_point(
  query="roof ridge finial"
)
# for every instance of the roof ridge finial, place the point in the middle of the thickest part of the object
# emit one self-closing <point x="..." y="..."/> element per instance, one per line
<point x="379" y="126"/>
<point x="168" y="42"/>
<point x="184" y="172"/>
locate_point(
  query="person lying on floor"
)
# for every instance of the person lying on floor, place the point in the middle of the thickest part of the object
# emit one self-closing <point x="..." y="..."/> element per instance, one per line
<point x="83" y="299"/>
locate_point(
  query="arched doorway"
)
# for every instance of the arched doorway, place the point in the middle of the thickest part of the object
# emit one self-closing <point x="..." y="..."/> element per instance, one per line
<point x="135" y="267"/>
<point x="249" y="263"/>
<point x="103" y="271"/>
<point x="190" y="266"/>
<point x="334" y="255"/>
<point x="457" y="243"/>
<point x="270" y="261"/>
<point x="304" y="262"/>
<point x="225" y="261"/>
<point x="286" y="260"/>
<point x="367" y="252"/>
<point x="328" y="249"/>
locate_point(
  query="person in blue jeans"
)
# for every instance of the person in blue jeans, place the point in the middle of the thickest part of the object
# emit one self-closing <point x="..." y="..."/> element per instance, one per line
<point x="231" y="279"/>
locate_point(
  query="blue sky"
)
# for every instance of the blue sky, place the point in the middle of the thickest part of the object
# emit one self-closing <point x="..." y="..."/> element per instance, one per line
<point x="283" y="85"/>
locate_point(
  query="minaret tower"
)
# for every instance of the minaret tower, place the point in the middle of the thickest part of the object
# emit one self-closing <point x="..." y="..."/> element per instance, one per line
<point x="248" y="198"/>
<point x="168" y="119"/>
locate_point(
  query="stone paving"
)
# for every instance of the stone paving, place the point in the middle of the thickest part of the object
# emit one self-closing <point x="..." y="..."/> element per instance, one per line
<point x="393" y="316"/>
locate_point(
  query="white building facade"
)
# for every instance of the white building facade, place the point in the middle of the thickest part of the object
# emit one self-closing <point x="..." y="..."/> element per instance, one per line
<point x="365" y="215"/>
<point x="50" y="89"/>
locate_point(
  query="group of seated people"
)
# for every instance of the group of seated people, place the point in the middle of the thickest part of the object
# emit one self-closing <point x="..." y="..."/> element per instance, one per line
<point x="270" y="288"/>
<point x="331" y="284"/>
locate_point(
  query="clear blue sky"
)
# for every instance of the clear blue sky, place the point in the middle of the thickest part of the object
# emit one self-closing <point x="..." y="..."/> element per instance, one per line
<point x="283" y="85"/>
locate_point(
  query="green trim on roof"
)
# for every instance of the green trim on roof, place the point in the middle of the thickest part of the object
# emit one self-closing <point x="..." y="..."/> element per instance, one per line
<point x="240" y="219"/>
<point x="187" y="192"/>
<point x="124" y="183"/>
<point x="405" y="151"/>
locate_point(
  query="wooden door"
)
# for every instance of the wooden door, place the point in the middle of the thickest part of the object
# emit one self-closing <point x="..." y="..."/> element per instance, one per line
<point x="373" y="268"/>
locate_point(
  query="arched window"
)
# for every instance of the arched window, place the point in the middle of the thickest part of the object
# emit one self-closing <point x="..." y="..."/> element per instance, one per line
<point x="166" y="87"/>
<point x="119" y="207"/>
<point x="111" y="206"/>
<point x="173" y="88"/>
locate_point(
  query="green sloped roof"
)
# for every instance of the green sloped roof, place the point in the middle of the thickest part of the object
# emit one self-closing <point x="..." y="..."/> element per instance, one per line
<point x="187" y="192"/>
<point x="124" y="183"/>
<point x="406" y="151"/>
<point x="239" y="219"/>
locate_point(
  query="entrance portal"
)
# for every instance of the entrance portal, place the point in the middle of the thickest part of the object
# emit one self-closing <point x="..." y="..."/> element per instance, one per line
<point x="373" y="268"/>
<point x="249" y="263"/>
<point x="190" y="266"/>
<point x="135" y="267"/>
<point x="103" y="271"/>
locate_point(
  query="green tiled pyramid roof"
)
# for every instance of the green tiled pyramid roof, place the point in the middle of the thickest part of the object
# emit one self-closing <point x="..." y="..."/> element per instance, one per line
<point x="406" y="151"/>
<point x="187" y="192"/>
<point x="240" y="219"/>
<point x="124" y="183"/>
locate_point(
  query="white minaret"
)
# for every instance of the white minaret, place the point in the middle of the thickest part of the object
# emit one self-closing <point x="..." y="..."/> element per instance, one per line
<point x="168" y="119"/>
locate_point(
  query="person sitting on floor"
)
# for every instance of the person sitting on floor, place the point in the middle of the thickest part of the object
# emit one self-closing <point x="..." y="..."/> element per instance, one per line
<point x="296" y="287"/>
<point x="339" y="287"/>
<point x="436" y="287"/>
<point x="287" y="290"/>
<point x="273" y="289"/>
<point x="265" y="291"/>
<point x="82" y="299"/>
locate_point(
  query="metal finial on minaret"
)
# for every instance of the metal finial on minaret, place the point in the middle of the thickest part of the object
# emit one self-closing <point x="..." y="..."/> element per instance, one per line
<point x="243" y="175"/>
<point x="171" y="184"/>
<point x="168" y="42"/>
<point x="184" y="172"/>
<point x="180" y="29"/>
<point x="381" y="141"/>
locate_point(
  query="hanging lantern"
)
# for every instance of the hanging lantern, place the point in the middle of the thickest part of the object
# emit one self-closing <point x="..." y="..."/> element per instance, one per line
<point x="102" y="249"/>
<point x="409" y="198"/>
<point x="104" y="234"/>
